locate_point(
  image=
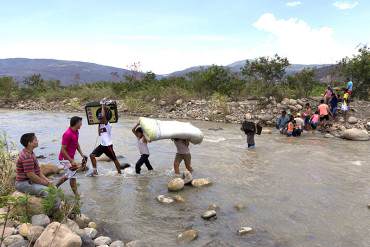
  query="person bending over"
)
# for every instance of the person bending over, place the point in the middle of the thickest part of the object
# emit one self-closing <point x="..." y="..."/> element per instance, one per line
<point x="182" y="154"/>
<point x="106" y="144"/>
<point x="142" y="145"/>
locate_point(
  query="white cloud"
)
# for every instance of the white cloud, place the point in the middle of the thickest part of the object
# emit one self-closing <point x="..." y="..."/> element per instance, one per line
<point x="300" y="42"/>
<point x="293" y="3"/>
<point x="343" y="5"/>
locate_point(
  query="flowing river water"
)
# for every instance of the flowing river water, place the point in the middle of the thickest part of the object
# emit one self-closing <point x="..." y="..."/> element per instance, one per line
<point x="307" y="191"/>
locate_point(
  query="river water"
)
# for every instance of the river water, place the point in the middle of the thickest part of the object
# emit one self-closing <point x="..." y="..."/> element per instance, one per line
<point x="307" y="191"/>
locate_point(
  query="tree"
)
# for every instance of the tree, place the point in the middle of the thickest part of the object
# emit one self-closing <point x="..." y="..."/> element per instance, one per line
<point x="35" y="81"/>
<point x="358" y="68"/>
<point x="302" y="83"/>
<point x="270" y="70"/>
<point x="7" y="86"/>
<point x="149" y="77"/>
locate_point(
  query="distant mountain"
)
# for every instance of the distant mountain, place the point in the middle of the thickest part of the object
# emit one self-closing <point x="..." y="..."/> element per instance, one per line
<point x="74" y="72"/>
<point x="68" y="72"/>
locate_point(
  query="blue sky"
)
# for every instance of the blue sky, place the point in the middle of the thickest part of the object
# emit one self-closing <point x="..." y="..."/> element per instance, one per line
<point x="169" y="35"/>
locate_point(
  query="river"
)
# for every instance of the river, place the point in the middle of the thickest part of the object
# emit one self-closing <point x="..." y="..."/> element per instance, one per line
<point x="308" y="191"/>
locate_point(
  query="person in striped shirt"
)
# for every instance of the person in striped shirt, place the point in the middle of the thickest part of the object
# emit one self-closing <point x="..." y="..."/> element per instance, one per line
<point x="29" y="178"/>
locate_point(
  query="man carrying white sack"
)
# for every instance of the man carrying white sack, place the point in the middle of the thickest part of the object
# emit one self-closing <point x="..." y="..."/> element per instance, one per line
<point x="182" y="154"/>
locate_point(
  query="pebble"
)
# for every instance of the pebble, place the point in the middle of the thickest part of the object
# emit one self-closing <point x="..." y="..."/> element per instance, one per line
<point x="178" y="198"/>
<point x="102" y="240"/>
<point x="244" y="230"/>
<point x="239" y="206"/>
<point x="187" y="236"/>
<point x="213" y="207"/>
<point x="92" y="224"/>
<point x="117" y="243"/>
<point x="200" y="182"/>
<point x="164" y="199"/>
<point x="209" y="214"/>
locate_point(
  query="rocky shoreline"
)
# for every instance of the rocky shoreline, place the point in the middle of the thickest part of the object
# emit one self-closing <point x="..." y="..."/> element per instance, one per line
<point x="264" y="110"/>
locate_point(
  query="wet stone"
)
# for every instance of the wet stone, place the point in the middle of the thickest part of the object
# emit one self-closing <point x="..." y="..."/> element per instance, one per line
<point x="187" y="236"/>
<point x="209" y="214"/>
<point x="244" y="230"/>
<point x="165" y="199"/>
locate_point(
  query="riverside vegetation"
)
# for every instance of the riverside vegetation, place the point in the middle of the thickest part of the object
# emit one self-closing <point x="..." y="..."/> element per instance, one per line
<point x="263" y="77"/>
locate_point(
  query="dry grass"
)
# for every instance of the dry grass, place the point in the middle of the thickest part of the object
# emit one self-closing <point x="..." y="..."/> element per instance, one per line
<point x="7" y="167"/>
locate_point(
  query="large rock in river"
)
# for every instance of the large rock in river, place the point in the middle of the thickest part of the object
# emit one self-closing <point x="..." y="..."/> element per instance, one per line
<point x="176" y="184"/>
<point x="58" y="235"/>
<point x="33" y="207"/>
<point x="355" y="135"/>
<point x="200" y="182"/>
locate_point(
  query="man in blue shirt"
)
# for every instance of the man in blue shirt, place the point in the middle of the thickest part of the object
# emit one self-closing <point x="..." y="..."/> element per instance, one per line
<point x="282" y="122"/>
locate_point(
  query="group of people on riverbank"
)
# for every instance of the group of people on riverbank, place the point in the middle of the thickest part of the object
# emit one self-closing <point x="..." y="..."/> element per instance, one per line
<point x="312" y="119"/>
<point x="30" y="179"/>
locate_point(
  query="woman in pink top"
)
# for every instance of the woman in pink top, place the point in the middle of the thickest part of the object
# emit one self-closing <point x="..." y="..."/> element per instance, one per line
<point x="328" y="93"/>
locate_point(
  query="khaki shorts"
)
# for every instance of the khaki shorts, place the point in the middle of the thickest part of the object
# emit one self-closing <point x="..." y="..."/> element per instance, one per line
<point x="183" y="157"/>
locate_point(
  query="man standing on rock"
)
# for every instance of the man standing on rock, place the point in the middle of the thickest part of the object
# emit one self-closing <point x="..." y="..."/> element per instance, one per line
<point x="67" y="153"/>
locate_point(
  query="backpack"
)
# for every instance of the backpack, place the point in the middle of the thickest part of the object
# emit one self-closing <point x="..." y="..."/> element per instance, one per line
<point x="248" y="127"/>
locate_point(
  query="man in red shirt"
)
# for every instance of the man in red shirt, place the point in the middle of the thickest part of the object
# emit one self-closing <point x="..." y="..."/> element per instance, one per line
<point x="67" y="153"/>
<point x="29" y="177"/>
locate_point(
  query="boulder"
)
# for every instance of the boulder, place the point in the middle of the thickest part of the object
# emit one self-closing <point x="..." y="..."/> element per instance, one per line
<point x="12" y="239"/>
<point x="368" y="126"/>
<point x="49" y="169"/>
<point x="33" y="207"/>
<point x="176" y="184"/>
<point x="298" y="107"/>
<point x="352" y="120"/>
<point x="244" y="230"/>
<point x="200" y="182"/>
<point x="34" y="233"/>
<point x="91" y="232"/>
<point x="179" y="102"/>
<point x="72" y="225"/>
<point x="8" y="231"/>
<point x="164" y="199"/>
<point x="209" y="214"/>
<point x="82" y="220"/>
<point x="40" y="220"/>
<point x="92" y="224"/>
<point x="285" y="101"/>
<point x="87" y="241"/>
<point x="355" y="135"/>
<point x="23" y="243"/>
<point x="187" y="236"/>
<point x="293" y="102"/>
<point x="117" y="243"/>
<point x="58" y="235"/>
<point x="162" y="103"/>
<point x="24" y="229"/>
<point x="102" y="240"/>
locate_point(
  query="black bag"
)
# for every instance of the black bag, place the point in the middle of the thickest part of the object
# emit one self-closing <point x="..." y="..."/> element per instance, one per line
<point x="259" y="129"/>
<point x="248" y="127"/>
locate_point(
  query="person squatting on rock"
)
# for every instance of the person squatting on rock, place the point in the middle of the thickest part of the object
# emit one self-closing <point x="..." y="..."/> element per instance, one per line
<point x="67" y="153"/>
<point x="182" y="154"/>
<point x="29" y="178"/>
<point x="142" y="145"/>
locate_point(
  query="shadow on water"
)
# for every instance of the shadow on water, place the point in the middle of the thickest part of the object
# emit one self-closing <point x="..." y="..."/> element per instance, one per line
<point x="306" y="191"/>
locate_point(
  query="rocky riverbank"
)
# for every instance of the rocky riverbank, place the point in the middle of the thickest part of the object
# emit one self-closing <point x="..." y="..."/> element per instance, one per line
<point x="263" y="110"/>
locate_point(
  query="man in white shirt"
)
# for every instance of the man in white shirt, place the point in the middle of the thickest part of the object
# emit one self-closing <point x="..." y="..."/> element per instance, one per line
<point x="106" y="145"/>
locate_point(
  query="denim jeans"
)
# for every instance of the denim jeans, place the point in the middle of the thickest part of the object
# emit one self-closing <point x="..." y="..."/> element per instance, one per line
<point x="31" y="188"/>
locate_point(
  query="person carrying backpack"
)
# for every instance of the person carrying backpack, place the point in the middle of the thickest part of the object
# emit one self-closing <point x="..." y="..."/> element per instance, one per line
<point x="250" y="129"/>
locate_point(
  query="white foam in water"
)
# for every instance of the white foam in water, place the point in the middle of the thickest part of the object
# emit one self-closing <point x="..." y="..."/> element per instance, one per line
<point x="357" y="162"/>
<point x="217" y="140"/>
